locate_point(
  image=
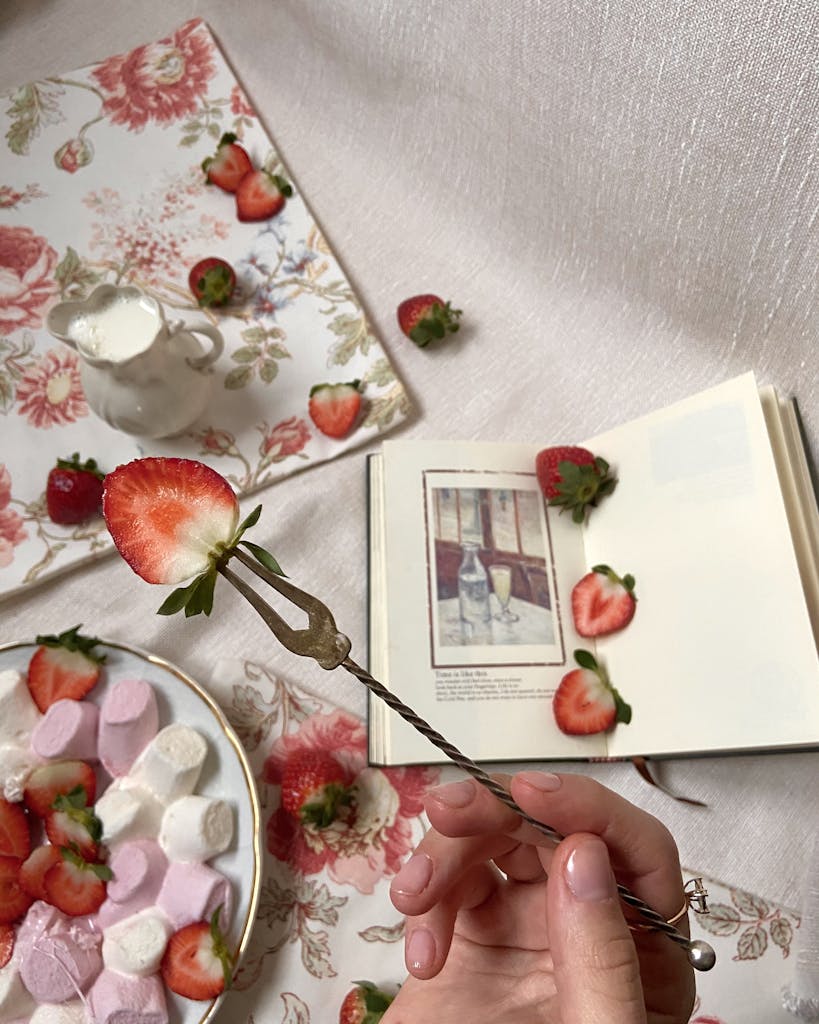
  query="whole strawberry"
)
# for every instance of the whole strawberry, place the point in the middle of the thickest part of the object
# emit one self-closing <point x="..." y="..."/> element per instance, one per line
<point x="426" y="318"/>
<point x="585" y="702"/>
<point x="364" y="1004"/>
<point x="229" y="165"/>
<point x="212" y="281"/>
<point x="315" y="788"/>
<point x="73" y="491"/>
<point x="603" y="602"/>
<point x="573" y="478"/>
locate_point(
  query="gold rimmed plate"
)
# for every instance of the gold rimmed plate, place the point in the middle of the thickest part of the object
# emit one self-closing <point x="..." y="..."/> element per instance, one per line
<point x="226" y="774"/>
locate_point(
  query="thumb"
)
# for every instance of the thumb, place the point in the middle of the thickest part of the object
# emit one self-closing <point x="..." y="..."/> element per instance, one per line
<point x="597" y="973"/>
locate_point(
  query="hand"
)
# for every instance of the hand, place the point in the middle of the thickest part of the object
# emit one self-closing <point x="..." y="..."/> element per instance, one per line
<point x="504" y="927"/>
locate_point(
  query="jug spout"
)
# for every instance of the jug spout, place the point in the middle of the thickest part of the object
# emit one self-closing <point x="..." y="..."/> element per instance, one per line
<point x="58" y="322"/>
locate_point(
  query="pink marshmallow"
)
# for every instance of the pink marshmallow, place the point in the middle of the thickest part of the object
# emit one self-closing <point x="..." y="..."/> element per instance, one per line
<point x="139" y="866"/>
<point x="192" y="891"/>
<point x="58" y="956"/>
<point x="127" y="999"/>
<point x="68" y="729"/>
<point x="129" y="720"/>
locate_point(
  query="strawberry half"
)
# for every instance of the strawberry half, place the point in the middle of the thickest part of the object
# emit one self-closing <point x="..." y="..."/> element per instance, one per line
<point x="261" y="195"/>
<point x="602" y="602"/>
<point x="63" y="667"/>
<point x="315" y="788"/>
<point x="73" y="823"/>
<point x="426" y="318"/>
<point x="364" y="1004"/>
<point x="212" y="281"/>
<point x="573" y="479"/>
<point x="34" y="868"/>
<point x="55" y="779"/>
<point x="334" y="407"/>
<point x="76" y="886"/>
<point x="15" y="836"/>
<point x="197" y="963"/>
<point x="6" y="944"/>
<point x="229" y="165"/>
<point x="73" y="491"/>
<point x="14" y="900"/>
<point x="585" y="702"/>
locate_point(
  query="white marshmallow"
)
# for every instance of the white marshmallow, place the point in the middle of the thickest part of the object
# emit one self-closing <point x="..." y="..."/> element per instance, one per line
<point x="72" y="1012"/>
<point x="16" y="764"/>
<point x="171" y="763"/>
<point x="196" y="828"/>
<point x="15" y="999"/>
<point x="18" y="712"/>
<point x="128" y="812"/>
<point x="136" y="944"/>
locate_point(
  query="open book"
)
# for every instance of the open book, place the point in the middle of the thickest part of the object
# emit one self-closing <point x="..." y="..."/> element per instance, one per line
<point x="471" y="574"/>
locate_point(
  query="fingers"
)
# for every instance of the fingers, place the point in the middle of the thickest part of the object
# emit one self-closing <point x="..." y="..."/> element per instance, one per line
<point x="597" y="973"/>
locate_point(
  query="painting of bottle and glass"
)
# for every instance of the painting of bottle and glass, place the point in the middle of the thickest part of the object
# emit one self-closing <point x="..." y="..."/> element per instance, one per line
<point x="490" y="570"/>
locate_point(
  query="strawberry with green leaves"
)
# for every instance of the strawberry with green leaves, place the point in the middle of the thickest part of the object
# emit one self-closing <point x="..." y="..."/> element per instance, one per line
<point x="426" y="318"/>
<point x="585" y="702"/>
<point x="197" y="963"/>
<point x="229" y="164"/>
<point x="76" y="886"/>
<point x="34" y="867"/>
<point x="603" y="602"/>
<point x="334" y="408"/>
<point x="315" y="788"/>
<point x="64" y="666"/>
<point x="212" y="281"/>
<point x="57" y="778"/>
<point x="364" y="1004"/>
<point x="73" y="491"/>
<point x="260" y="195"/>
<point x="74" y="824"/>
<point x="573" y="479"/>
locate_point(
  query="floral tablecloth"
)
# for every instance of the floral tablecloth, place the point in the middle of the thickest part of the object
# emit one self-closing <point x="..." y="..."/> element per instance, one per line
<point x="100" y="181"/>
<point x="325" y="918"/>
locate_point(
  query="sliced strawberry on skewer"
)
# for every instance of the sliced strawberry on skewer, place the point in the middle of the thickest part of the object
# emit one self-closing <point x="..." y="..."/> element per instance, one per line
<point x="14" y="900"/>
<point x="426" y="318"/>
<point x="334" y="408"/>
<point x="364" y="1004"/>
<point x="76" y="886"/>
<point x="15" y="835"/>
<point x="197" y="963"/>
<point x="314" y="788"/>
<point x="73" y="823"/>
<point x="603" y="602"/>
<point x="6" y="944"/>
<point x="573" y="479"/>
<point x="585" y="702"/>
<point x="229" y="165"/>
<point x="34" y="868"/>
<point x="54" y="779"/>
<point x="261" y="195"/>
<point x="63" y="666"/>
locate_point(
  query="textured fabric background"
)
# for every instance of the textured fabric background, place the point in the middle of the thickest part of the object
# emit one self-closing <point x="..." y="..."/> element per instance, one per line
<point x="623" y="199"/>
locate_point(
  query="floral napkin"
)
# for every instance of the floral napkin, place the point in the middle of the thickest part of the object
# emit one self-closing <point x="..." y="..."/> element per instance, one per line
<point x="100" y="181"/>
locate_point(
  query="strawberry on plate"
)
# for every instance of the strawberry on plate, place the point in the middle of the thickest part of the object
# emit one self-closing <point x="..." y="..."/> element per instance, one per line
<point x="229" y="165"/>
<point x="315" y="788"/>
<point x="34" y="868"/>
<point x="603" y="602"/>
<point x="260" y="195"/>
<point x="76" y="886"/>
<point x="585" y="702"/>
<point x="14" y="900"/>
<point x="73" y="491"/>
<point x="212" y="281"/>
<point x="426" y="318"/>
<point x="573" y="478"/>
<point x="6" y="943"/>
<point x="334" y="408"/>
<point x="15" y="835"/>
<point x="73" y="823"/>
<point x="364" y="1004"/>
<point x="65" y="666"/>
<point x="197" y="963"/>
<point x="55" y="779"/>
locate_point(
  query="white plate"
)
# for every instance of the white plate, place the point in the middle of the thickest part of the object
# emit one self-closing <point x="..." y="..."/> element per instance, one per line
<point x="226" y="774"/>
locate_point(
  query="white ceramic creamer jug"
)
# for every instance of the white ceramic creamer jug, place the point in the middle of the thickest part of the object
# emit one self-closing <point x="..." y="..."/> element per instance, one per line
<point x="140" y="374"/>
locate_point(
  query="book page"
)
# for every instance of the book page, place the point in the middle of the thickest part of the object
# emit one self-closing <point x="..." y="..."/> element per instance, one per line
<point x="720" y="653"/>
<point x="477" y="622"/>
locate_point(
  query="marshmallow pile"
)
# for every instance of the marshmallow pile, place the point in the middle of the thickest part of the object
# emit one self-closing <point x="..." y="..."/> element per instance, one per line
<point x="159" y="833"/>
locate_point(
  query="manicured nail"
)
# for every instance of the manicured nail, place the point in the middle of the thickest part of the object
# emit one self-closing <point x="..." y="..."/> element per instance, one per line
<point x="414" y="876"/>
<point x="588" y="872"/>
<point x="544" y="781"/>
<point x="456" y="794"/>
<point x="420" y="950"/>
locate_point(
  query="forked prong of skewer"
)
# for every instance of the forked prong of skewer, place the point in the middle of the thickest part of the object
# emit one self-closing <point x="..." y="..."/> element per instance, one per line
<point x="330" y="648"/>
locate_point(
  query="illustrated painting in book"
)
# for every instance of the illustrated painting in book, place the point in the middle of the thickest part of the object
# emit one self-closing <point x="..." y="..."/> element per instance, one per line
<point x="471" y="575"/>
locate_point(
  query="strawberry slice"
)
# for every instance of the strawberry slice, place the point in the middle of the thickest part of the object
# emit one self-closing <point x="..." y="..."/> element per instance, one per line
<point x="6" y="943"/>
<point x="260" y="195"/>
<point x="229" y="165"/>
<point x="34" y="868"/>
<point x="573" y="479"/>
<point x="73" y="823"/>
<point x="334" y="407"/>
<point x="76" y="886"/>
<point x="169" y="518"/>
<point x="603" y="602"/>
<point x="585" y="702"/>
<point x="197" y="963"/>
<point x="15" y="837"/>
<point x="63" y="667"/>
<point x="55" y="779"/>
<point x="14" y="900"/>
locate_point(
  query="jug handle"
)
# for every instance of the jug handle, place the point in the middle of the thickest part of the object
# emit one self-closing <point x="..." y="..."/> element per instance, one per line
<point x="217" y="344"/>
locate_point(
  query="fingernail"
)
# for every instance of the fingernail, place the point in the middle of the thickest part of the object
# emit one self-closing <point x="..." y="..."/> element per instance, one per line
<point x="420" y="950"/>
<point x="414" y="876"/>
<point x="588" y="872"/>
<point x="456" y="794"/>
<point x="544" y="781"/>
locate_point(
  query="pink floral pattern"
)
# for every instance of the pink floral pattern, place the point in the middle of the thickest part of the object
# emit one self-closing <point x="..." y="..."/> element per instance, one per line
<point x="373" y="842"/>
<point x="27" y="264"/>
<point x="159" y="82"/>
<point x="51" y="394"/>
<point x="12" y="531"/>
<point x="286" y="438"/>
<point x="239" y="104"/>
